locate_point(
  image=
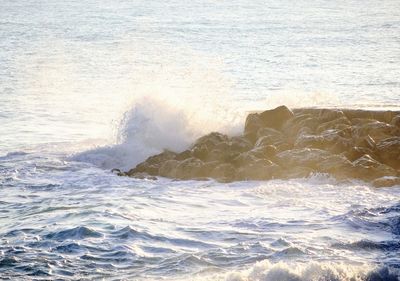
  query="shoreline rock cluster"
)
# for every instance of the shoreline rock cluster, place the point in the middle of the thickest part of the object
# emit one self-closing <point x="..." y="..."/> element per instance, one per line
<point x="281" y="144"/>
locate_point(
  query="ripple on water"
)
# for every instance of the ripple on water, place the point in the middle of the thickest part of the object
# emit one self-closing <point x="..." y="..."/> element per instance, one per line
<point x="131" y="233"/>
<point x="369" y="245"/>
<point x="69" y="248"/>
<point x="379" y="219"/>
<point x="76" y="233"/>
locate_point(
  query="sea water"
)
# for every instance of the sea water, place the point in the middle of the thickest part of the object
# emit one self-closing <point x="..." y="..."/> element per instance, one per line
<point x="86" y="86"/>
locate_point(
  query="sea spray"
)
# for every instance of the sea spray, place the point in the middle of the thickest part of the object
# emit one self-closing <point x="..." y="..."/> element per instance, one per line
<point x="172" y="102"/>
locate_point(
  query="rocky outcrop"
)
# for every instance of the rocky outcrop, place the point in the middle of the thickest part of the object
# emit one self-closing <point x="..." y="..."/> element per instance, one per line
<point x="281" y="143"/>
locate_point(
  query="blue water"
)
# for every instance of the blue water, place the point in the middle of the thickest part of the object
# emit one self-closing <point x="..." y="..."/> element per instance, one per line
<point x="86" y="86"/>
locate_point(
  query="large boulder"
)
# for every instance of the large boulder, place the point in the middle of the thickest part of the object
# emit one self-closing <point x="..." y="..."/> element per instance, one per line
<point x="323" y="114"/>
<point x="224" y="172"/>
<point x="389" y="151"/>
<point x="239" y="144"/>
<point x="200" y="151"/>
<point x="327" y="115"/>
<point x="210" y="140"/>
<point x="168" y="168"/>
<point x="375" y="129"/>
<point x="355" y="152"/>
<point x="341" y="123"/>
<point x="331" y="140"/>
<point x="396" y="121"/>
<point x="208" y="167"/>
<point x="382" y="116"/>
<point x="152" y="164"/>
<point x="304" y="157"/>
<point x="184" y="155"/>
<point x="275" y="118"/>
<point x="252" y="125"/>
<point x="244" y="159"/>
<point x="294" y="126"/>
<point x="270" y="140"/>
<point x="260" y="169"/>
<point x="264" y="152"/>
<point x="336" y="165"/>
<point x="365" y="141"/>
<point x="367" y="168"/>
<point x="189" y="169"/>
<point x="269" y="132"/>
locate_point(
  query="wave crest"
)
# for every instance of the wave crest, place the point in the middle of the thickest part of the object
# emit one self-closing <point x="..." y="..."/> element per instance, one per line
<point x="321" y="271"/>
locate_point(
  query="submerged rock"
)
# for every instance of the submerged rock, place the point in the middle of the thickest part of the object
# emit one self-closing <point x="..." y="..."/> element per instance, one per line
<point x="281" y="143"/>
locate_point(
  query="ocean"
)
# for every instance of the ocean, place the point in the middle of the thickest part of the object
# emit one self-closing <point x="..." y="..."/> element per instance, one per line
<point x="87" y="86"/>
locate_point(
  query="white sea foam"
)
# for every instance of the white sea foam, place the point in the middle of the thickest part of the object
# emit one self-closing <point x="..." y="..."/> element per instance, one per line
<point x="321" y="271"/>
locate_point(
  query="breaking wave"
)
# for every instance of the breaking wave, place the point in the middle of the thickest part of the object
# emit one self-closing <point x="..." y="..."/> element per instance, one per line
<point x="318" y="271"/>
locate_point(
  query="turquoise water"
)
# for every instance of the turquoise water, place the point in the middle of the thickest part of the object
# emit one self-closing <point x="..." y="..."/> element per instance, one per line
<point x="86" y="86"/>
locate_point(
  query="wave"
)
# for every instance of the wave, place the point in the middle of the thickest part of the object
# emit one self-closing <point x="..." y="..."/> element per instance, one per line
<point x="369" y="245"/>
<point x="376" y="219"/>
<point x="79" y="232"/>
<point x="154" y="124"/>
<point x="321" y="271"/>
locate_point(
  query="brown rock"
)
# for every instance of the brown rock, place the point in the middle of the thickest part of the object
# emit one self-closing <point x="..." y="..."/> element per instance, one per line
<point x="159" y="158"/>
<point x="260" y="169"/>
<point x="244" y="159"/>
<point x="184" y="155"/>
<point x="396" y="121"/>
<point x="276" y="117"/>
<point x="376" y="130"/>
<point x="239" y="144"/>
<point x="355" y="152"/>
<point x="225" y="172"/>
<point x="211" y="140"/>
<point x="269" y="136"/>
<point x="189" y="168"/>
<point x="264" y="152"/>
<point x="365" y="141"/>
<point x="208" y="167"/>
<point x="269" y="140"/>
<point x="327" y="115"/>
<point x="389" y="151"/>
<point x="252" y="125"/>
<point x="305" y="157"/>
<point x="336" y="165"/>
<point x="367" y="168"/>
<point x="200" y="151"/>
<point x="293" y="126"/>
<point x="344" y="143"/>
<point x="341" y="123"/>
<point x="330" y="140"/>
<point x="168" y="168"/>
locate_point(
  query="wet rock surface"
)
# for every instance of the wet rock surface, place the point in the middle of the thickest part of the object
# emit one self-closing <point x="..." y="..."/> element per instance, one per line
<point x="281" y="143"/>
